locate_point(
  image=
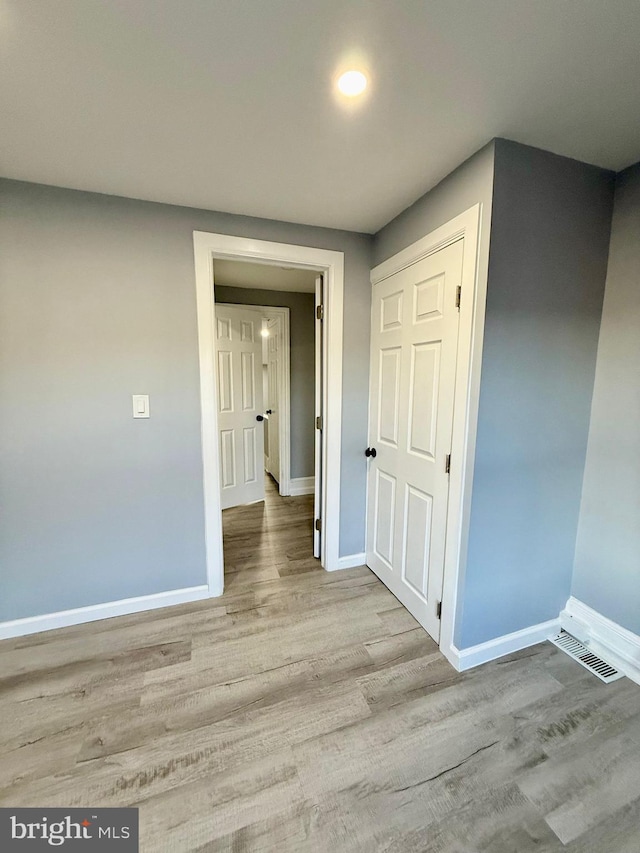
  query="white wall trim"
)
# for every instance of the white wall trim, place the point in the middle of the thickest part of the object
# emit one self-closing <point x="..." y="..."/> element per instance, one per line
<point x="319" y="393"/>
<point x="463" y="659"/>
<point x="94" y="612"/>
<point x="430" y="244"/>
<point x="302" y="486"/>
<point x="350" y="562"/>
<point x="208" y="246"/>
<point x="467" y="393"/>
<point x="603" y="636"/>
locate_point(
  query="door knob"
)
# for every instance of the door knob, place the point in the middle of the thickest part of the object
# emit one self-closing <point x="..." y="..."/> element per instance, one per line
<point x="259" y="418"/>
<point x="269" y="412"/>
<point x="371" y="451"/>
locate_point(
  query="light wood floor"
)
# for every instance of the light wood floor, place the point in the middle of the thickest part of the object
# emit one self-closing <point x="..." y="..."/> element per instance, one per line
<point x="306" y="711"/>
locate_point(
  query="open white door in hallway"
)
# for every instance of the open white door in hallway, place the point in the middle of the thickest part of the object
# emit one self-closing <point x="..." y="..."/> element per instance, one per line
<point x="274" y="354"/>
<point x="414" y="338"/>
<point x="240" y="416"/>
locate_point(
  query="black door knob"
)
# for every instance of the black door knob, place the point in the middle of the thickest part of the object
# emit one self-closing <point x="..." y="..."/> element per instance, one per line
<point x="371" y="451"/>
<point x="259" y="418"/>
<point x="269" y="412"/>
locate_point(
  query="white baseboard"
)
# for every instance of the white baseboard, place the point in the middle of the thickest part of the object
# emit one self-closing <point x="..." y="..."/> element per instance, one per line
<point x="302" y="486"/>
<point x="463" y="659"/>
<point x="348" y="562"/>
<point x="94" y="612"/>
<point x="603" y="636"/>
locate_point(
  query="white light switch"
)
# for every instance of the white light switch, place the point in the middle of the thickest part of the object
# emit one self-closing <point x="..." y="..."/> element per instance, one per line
<point x="140" y="405"/>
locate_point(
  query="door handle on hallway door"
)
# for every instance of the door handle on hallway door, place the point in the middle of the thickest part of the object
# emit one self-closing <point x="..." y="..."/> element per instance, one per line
<point x="371" y="452"/>
<point x="259" y="417"/>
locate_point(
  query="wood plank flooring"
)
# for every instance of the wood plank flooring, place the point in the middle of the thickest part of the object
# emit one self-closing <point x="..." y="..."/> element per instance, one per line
<point x="307" y="711"/>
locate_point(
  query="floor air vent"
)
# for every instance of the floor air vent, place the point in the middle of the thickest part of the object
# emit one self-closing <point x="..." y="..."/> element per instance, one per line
<point x="575" y="649"/>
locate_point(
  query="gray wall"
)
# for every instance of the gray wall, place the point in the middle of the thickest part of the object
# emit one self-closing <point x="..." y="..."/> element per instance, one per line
<point x="607" y="563"/>
<point x="302" y="331"/>
<point x="544" y="238"/>
<point x="470" y="184"/>
<point x="549" y="245"/>
<point x="97" y="301"/>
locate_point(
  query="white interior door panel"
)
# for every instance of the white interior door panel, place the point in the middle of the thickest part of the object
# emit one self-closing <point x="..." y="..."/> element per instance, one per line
<point x="239" y="380"/>
<point x="274" y="343"/>
<point x="414" y="339"/>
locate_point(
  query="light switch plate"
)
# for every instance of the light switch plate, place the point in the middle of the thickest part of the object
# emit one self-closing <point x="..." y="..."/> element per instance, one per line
<point x="140" y="405"/>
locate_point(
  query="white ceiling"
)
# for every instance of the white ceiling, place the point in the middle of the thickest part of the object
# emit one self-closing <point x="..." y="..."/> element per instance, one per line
<point x="263" y="276"/>
<point x="228" y="104"/>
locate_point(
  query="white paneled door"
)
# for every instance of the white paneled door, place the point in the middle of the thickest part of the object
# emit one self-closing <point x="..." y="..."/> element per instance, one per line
<point x="240" y="416"/>
<point x="274" y="354"/>
<point x="414" y="340"/>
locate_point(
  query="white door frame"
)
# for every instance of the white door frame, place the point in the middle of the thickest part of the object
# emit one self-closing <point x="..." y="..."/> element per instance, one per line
<point x="317" y="410"/>
<point x="207" y="247"/>
<point x="284" y="375"/>
<point x="467" y="395"/>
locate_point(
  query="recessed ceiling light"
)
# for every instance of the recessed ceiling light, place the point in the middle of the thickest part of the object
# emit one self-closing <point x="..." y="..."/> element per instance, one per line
<point x="352" y="83"/>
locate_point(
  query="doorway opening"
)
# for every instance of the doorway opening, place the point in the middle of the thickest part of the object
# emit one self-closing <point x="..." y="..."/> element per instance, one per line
<point x="212" y="252"/>
<point x="266" y="328"/>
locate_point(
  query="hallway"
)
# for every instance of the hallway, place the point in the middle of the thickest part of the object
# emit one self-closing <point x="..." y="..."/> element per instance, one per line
<point x="270" y="540"/>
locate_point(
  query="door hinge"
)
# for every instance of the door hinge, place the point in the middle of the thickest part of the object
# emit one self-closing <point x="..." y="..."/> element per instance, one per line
<point x="447" y="464"/>
<point x="318" y="524"/>
<point x="458" y="296"/>
<point x="319" y="422"/>
<point x="439" y="609"/>
<point x="320" y="312"/>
